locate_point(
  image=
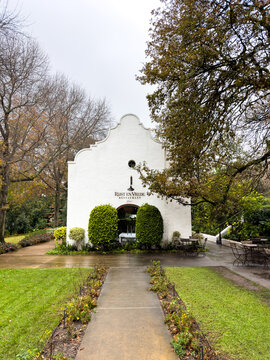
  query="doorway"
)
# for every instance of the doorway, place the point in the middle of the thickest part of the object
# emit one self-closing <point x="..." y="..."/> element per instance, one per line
<point x="127" y="221"/>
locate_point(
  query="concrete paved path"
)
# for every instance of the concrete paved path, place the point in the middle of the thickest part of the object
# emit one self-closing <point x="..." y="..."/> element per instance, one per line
<point x="129" y="323"/>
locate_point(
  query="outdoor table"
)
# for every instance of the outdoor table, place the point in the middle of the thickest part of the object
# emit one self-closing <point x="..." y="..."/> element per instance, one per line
<point x="125" y="237"/>
<point x="184" y="240"/>
<point x="250" y="252"/>
<point x="258" y="240"/>
<point x="189" y="241"/>
<point x="189" y="245"/>
<point x="255" y="254"/>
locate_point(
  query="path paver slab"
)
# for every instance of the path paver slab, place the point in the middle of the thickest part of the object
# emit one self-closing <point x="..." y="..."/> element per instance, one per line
<point x="129" y="323"/>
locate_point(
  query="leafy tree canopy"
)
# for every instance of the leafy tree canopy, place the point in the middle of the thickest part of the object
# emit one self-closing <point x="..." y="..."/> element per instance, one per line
<point x="209" y="219"/>
<point x="209" y="62"/>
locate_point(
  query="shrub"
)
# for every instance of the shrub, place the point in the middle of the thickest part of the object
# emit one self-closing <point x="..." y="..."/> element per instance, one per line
<point x="102" y="227"/>
<point x="76" y="234"/>
<point x="130" y="246"/>
<point x="26" y="242"/>
<point x="35" y="239"/>
<point x="87" y="247"/>
<point x="24" y="217"/>
<point x="149" y="226"/>
<point x="242" y="231"/>
<point x="7" y="247"/>
<point x="197" y="235"/>
<point x="176" y="235"/>
<point x="61" y="234"/>
<point x="63" y="250"/>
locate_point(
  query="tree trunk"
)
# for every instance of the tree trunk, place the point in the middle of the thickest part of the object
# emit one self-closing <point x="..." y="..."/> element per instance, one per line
<point x="3" y="201"/>
<point x="56" y="205"/>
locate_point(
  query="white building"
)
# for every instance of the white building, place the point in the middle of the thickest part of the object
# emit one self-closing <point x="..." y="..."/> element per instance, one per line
<point x="104" y="174"/>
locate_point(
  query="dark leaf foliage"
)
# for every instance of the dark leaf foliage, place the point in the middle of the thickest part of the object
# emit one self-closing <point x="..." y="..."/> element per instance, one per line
<point x="149" y="226"/>
<point x="102" y="229"/>
<point x="209" y="61"/>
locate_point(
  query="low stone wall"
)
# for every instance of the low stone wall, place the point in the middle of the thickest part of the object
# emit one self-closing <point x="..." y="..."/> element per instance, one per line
<point x="213" y="238"/>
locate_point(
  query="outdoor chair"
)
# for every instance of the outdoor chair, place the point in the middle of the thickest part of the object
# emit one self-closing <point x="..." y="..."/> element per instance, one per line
<point x="187" y="246"/>
<point x="201" y="247"/>
<point x="177" y="244"/>
<point x="261" y="255"/>
<point x="267" y="254"/>
<point x="239" y="253"/>
<point x="256" y="255"/>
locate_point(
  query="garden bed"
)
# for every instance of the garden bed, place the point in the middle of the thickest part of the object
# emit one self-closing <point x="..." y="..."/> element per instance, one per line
<point x="188" y="341"/>
<point x="130" y="249"/>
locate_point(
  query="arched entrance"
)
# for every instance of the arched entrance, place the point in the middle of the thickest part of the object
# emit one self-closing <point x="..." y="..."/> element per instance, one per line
<point x="126" y="222"/>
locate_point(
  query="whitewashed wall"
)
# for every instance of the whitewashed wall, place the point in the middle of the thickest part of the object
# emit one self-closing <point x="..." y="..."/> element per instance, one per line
<point x="100" y="171"/>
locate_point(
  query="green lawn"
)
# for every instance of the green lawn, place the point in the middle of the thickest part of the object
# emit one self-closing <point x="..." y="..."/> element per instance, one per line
<point x="14" y="239"/>
<point x="30" y="301"/>
<point x="237" y="320"/>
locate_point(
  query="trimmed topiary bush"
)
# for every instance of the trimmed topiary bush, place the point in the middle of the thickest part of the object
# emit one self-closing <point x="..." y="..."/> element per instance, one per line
<point x="149" y="226"/>
<point x="103" y="224"/>
<point x="77" y="234"/>
<point x="60" y="234"/>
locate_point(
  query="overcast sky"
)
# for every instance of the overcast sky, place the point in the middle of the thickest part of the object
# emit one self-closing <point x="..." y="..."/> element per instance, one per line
<point x="98" y="44"/>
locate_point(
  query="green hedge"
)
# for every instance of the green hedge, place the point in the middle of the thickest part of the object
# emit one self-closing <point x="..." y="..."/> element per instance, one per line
<point x="149" y="226"/>
<point x="34" y="239"/>
<point x="103" y="225"/>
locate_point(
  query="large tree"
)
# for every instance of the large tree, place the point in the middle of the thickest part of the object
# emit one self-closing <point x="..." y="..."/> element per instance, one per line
<point x="75" y="121"/>
<point x="43" y="120"/>
<point x="23" y="69"/>
<point x="10" y="21"/>
<point x="210" y="64"/>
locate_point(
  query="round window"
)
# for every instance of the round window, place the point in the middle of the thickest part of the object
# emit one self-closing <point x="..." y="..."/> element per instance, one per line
<point x="131" y="163"/>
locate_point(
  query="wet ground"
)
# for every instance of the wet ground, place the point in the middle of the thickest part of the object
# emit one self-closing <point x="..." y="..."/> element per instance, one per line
<point x="35" y="257"/>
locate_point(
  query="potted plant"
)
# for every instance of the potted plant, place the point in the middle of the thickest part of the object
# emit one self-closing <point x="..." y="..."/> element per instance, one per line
<point x="176" y="239"/>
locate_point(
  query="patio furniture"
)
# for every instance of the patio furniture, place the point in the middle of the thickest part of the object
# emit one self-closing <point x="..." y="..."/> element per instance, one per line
<point x="192" y="246"/>
<point x="267" y="254"/>
<point x="256" y="254"/>
<point x="239" y="253"/>
<point x="263" y="255"/>
<point x="127" y="237"/>
<point x="188" y="245"/>
<point x="249" y="250"/>
<point x="185" y="244"/>
<point x="258" y="240"/>
<point x="201" y="247"/>
<point x="177" y="244"/>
